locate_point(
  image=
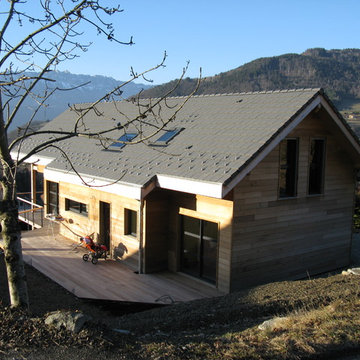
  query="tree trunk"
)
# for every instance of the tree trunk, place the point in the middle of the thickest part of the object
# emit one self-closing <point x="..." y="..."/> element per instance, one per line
<point x="11" y="235"/>
<point x="10" y="231"/>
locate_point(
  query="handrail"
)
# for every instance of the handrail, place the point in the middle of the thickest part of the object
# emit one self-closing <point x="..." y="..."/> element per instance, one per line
<point x="29" y="202"/>
<point x="30" y="210"/>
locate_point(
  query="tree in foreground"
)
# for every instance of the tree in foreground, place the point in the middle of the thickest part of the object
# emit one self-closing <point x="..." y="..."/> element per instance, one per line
<point x="50" y="33"/>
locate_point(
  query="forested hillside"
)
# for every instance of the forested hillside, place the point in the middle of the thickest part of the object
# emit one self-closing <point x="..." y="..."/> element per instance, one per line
<point x="337" y="71"/>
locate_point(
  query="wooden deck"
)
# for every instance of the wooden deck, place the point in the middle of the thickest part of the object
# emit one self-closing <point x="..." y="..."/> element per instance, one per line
<point x="56" y="257"/>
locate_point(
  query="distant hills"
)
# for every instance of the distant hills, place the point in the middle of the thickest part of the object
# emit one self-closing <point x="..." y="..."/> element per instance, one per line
<point x="96" y="87"/>
<point x="337" y="71"/>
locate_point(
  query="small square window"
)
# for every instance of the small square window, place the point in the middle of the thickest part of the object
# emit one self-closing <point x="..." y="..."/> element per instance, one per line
<point x="130" y="222"/>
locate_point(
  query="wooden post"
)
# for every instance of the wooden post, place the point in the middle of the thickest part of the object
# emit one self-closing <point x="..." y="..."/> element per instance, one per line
<point x="33" y="184"/>
<point x="141" y="236"/>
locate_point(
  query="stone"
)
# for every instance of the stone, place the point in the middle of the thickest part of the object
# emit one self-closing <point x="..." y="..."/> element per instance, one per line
<point x="354" y="271"/>
<point x="272" y="323"/>
<point x="69" y="320"/>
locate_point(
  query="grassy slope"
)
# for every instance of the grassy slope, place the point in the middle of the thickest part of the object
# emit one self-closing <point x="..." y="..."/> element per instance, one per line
<point x="322" y="322"/>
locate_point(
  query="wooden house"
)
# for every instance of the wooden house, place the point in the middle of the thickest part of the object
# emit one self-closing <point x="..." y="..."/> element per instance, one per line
<point x="239" y="189"/>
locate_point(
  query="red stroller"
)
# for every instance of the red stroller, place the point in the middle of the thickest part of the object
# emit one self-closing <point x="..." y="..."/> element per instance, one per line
<point x="96" y="251"/>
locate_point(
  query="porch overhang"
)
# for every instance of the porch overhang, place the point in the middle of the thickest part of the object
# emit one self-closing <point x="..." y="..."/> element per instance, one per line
<point x="132" y="191"/>
<point x="34" y="159"/>
<point x="198" y="187"/>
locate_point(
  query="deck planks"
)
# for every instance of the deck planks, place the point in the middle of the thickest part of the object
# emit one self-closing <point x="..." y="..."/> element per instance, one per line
<point x="56" y="257"/>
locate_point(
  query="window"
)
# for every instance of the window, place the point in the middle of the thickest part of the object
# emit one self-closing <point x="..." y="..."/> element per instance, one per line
<point x="167" y="136"/>
<point x="75" y="206"/>
<point x="130" y="222"/>
<point x="316" y="166"/>
<point x="288" y="168"/>
<point x="125" y="138"/>
<point x="52" y="198"/>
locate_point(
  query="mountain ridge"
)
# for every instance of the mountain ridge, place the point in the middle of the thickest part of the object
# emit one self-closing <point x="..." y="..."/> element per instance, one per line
<point x="94" y="87"/>
<point x="337" y="71"/>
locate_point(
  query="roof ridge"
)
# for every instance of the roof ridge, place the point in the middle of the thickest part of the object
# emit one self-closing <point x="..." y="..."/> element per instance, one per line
<point x="248" y="93"/>
<point x="215" y="94"/>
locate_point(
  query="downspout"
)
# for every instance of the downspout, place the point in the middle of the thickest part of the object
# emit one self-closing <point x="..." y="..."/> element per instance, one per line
<point x="356" y="184"/>
<point x="141" y="235"/>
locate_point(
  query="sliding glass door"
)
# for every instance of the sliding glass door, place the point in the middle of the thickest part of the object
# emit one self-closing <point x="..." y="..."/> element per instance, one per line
<point x="199" y="248"/>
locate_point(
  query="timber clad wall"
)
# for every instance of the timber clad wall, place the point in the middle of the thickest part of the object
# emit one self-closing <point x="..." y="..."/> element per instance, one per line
<point x="201" y="207"/>
<point x="290" y="238"/>
<point x="163" y="238"/>
<point x="156" y="231"/>
<point x="124" y="247"/>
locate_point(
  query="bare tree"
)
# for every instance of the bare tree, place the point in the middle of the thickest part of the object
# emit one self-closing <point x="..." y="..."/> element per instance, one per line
<point x="54" y="35"/>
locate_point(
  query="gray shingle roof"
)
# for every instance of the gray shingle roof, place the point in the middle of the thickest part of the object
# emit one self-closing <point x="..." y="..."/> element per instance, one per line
<point x="221" y="133"/>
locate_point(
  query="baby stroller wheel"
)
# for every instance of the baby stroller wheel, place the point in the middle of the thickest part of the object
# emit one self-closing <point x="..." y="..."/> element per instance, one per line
<point x="86" y="257"/>
<point x="94" y="260"/>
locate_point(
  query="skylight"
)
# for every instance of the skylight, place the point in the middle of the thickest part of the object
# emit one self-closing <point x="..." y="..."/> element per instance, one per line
<point x="125" y="138"/>
<point x="167" y="136"/>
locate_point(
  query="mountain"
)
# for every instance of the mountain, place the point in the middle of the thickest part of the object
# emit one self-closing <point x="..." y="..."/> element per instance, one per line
<point x="337" y="71"/>
<point x="95" y="87"/>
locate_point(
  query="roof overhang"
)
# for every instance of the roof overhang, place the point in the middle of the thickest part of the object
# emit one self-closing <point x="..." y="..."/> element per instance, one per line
<point x="343" y="126"/>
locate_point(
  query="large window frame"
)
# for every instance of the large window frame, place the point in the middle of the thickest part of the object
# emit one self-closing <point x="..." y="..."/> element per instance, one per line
<point x="288" y="168"/>
<point x="76" y="207"/>
<point x="199" y="248"/>
<point x="316" y="177"/>
<point x="52" y="206"/>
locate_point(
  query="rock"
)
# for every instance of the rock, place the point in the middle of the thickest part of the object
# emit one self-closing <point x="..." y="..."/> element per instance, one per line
<point x="272" y="323"/>
<point x="353" y="271"/>
<point x="71" y="321"/>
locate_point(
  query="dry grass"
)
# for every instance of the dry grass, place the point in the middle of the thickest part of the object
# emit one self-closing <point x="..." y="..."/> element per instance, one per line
<point x="320" y="319"/>
<point x="308" y="332"/>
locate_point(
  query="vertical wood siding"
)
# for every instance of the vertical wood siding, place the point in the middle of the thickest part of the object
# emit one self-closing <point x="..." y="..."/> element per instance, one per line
<point x="292" y="238"/>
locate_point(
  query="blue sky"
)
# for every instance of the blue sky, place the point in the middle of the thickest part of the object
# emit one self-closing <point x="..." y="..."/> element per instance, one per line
<point x="217" y="35"/>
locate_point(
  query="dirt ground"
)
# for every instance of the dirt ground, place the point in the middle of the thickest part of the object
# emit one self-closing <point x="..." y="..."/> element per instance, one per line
<point x="25" y="336"/>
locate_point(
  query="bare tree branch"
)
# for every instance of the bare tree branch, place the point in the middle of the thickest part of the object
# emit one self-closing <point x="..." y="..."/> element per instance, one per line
<point x="56" y="36"/>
